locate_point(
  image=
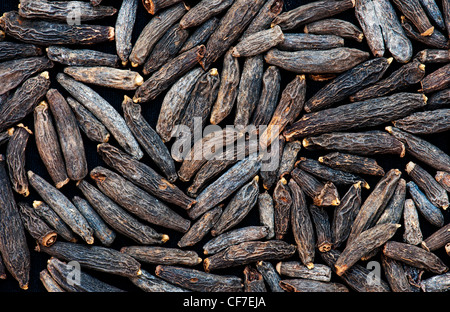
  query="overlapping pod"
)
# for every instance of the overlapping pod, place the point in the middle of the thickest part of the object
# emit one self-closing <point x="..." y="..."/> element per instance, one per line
<point x="81" y="57"/>
<point x="15" y="159"/>
<point x="36" y="226"/>
<point x="334" y="26"/>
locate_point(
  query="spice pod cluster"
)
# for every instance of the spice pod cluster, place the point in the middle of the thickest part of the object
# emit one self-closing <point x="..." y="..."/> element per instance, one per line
<point x="349" y="99"/>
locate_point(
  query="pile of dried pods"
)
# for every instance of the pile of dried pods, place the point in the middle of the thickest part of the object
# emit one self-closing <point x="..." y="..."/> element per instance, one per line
<point x="332" y="209"/>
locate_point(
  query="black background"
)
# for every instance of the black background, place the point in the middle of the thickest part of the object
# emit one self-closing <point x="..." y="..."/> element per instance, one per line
<point x="150" y="112"/>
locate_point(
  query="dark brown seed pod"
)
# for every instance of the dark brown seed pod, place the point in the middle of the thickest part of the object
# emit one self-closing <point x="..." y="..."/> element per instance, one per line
<point x="97" y="258"/>
<point x="14" y="50"/>
<point x="154" y="31"/>
<point x="233" y="237"/>
<point x="357" y="277"/>
<point x="345" y="214"/>
<point x="414" y="12"/>
<point x="143" y="176"/>
<point x="147" y="137"/>
<point x="43" y="32"/>
<point x="367" y="17"/>
<point x="435" y="40"/>
<point x="364" y="243"/>
<point x="433" y="56"/>
<point x="432" y="189"/>
<point x="47" y="143"/>
<point x="407" y="75"/>
<point x="258" y="42"/>
<point x="49" y="282"/>
<point x="437" y="80"/>
<point x="296" y="269"/>
<point x="306" y="285"/>
<point x="249" y="92"/>
<point x="70" y="139"/>
<point x="264" y="18"/>
<point x="437" y="283"/>
<point x="444" y="179"/>
<point x="52" y="219"/>
<point x="226" y="185"/>
<point x="297" y="42"/>
<point x="65" y="209"/>
<point x="334" y="26"/>
<point x="253" y="280"/>
<point x="174" y="103"/>
<point x="375" y="203"/>
<point x="248" y="252"/>
<point x="352" y="163"/>
<point x="311" y="12"/>
<point x="238" y="207"/>
<point x="422" y="149"/>
<point x="332" y="61"/>
<point x="412" y="233"/>
<point x="367" y="113"/>
<point x="201" y="227"/>
<point x="288" y="109"/>
<point x="15" y="159"/>
<point x="119" y="219"/>
<point x="322" y="194"/>
<point x="13" y="245"/>
<point x="267" y="213"/>
<point x="414" y="256"/>
<point x="101" y="230"/>
<point x="430" y="212"/>
<point x="150" y="283"/>
<point x="393" y="211"/>
<point x="168" y="74"/>
<point x="165" y="49"/>
<point x="270" y="275"/>
<point x="162" y="255"/>
<point x="88" y="123"/>
<point x="289" y="158"/>
<point x="136" y="201"/>
<point x="395" y="275"/>
<point x="437" y="239"/>
<point x="196" y="280"/>
<point x="348" y="83"/>
<point x="81" y="57"/>
<point x="204" y="11"/>
<point x="231" y="27"/>
<point x="270" y="165"/>
<point x="63" y="11"/>
<point x="282" y="200"/>
<point x="201" y="34"/>
<point x="433" y="12"/>
<point x="153" y="6"/>
<point x="126" y="19"/>
<point x="302" y="226"/>
<point x="37" y="227"/>
<point x="319" y="217"/>
<point x="104" y="112"/>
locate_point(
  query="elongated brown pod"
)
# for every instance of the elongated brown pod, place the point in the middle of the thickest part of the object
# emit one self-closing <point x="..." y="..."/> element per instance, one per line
<point x="49" y="283"/>
<point x="168" y="74"/>
<point x="162" y="255"/>
<point x="24" y="100"/>
<point x="37" y="227"/>
<point x="97" y="258"/>
<point x="258" y="42"/>
<point x="271" y="84"/>
<point x="63" y="11"/>
<point x="296" y="269"/>
<point x="81" y="57"/>
<point x="437" y="239"/>
<point x="375" y="203"/>
<point x="266" y="211"/>
<point x="352" y="163"/>
<point x="302" y="226"/>
<point x="5" y="135"/>
<point x="270" y="275"/>
<point x="104" y="111"/>
<point x="413" y="10"/>
<point x="13" y="245"/>
<point x="126" y="19"/>
<point x="150" y="283"/>
<point x="203" y="11"/>
<point x="264" y="18"/>
<point x="62" y="206"/>
<point x="433" y="56"/>
<point x="332" y="61"/>
<point x="368" y="19"/>
<point x="363" y="244"/>
<point x="282" y="200"/>
<point x="334" y="26"/>
<point x="437" y="80"/>
<point x="306" y="285"/>
<point x="144" y="176"/>
<point x="201" y="34"/>
<point x="435" y="121"/>
<point x="287" y="110"/>
<point x="430" y="212"/>
<point x="393" y="211"/>
<point x="154" y="31"/>
<point x="248" y="252"/>
<point x="437" y="283"/>
<point x="44" y="32"/>
<point x="13" y="50"/>
<point x="119" y="219"/>
<point x="414" y="256"/>
<point x="137" y="201"/>
<point x="69" y="135"/>
<point x="147" y="137"/>
<point x="436" y="39"/>
<point x="153" y="6"/>
<point x="231" y="27"/>
<point x="395" y="275"/>
<point x="367" y="113"/>
<point x="301" y="41"/>
<point x="321" y="222"/>
<point x="15" y="159"/>
<point x="412" y="233"/>
<point x="253" y="280"/>
<point x="48" y="145"/>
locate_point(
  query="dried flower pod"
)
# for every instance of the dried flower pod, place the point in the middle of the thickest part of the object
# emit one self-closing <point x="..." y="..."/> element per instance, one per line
<point x="437" y="283"/>
<point x="395" y="275"/>
<point x="434" y="40"/>
<point x="153" y="6"/>
<point x="334" y="26"/>
<point x="49" y="282"/>
<point x="295" y="269"/>
<point x="438" y="239"/>
<point x="150" y="283"/>
<point x="319" y="217"/>
<point x="433" y="56"/>
<point x="267" y="213"/>
<point x="352" y="163"/>
<point x="201" y="227"/>
<point x="297" y="42"/>
<point x="37" y="227"/>
<point x="201" y="34"/>
<point x="437" y="80"/>
<point x="162" y="255"/>
<point x="367" y="17"/>
<point x="253" y="280"/>
<point x="282" y="200"/>
<point x="429" y="211"/>
<point x="81" y="57"/>
<point x="289" y="158"/>
<point x="264" y="18"/>
<point x="413" y="10"/>
<point x="15" y="159"/>
<point x="270" y="275"/>
<point x="306" y="285"/>
<point x="126" y="19"/>
<point x="204" y="11"/>
<point x="258" y="42"/>
<point x="14" y="50"/>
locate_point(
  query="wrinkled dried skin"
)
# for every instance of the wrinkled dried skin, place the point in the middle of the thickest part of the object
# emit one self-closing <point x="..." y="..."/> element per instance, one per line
<point x="201" y="227"/>
<point x="49" y="283"/>
<point x="405" y="76"/>
<point x="258" y="42"/>
<point x="43" y="32"/>
<point x="266" y="211"/>
<point x="15" y="159"/>
<point x="322" y="228"/>
<point x="126" y="19"/>
<point x="150" y="283"/>
<point x="271" y="84"/>
<point x="348" y="83"/>
<point x="438" y="283"/>
<point x="37" y="228"/>
<point x="201" y="34"/>
<point x="437" y="80"/>
<point x="334" y="26"/>
<point x="270" y="275"/>
<point x="13" y="50"/>
<point x="414" y="12"/>
<point x="414" y="256"/>
<point x="253" y="280"/>
<point x="435" y="40"/>
<point x="153" y="6"/>
<point x="296" y="42"/>
<point x="433" y="56"/>
<point x="162" y="255"/>
<point x="63" y="11"/>
<point x="444" y="179"/>
<point x="289" y="158"/>
<point x="412" y="233"/>
<point x="434" y="12"/>
<point x="81" y="57"/>
<point x="430" y="212"/>
<point x="204" y="11"/>
<point x="393" y="211"/>
<point x="395" y="275"/>
<point x="282" y="201"/>
<point x="305" y="285"/>
<point x="368" y="19"/>
<point x="352" y="163"/>
<point x="296" y="269"/>
<point x="332" y="61"/>
<point x="438" y="239"/>
<point x="264" y="18"/>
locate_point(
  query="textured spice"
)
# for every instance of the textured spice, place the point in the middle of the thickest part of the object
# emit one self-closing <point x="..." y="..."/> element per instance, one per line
<point x="434" y="12"/>
<point x="15" y="159"/>
<point x="352" y="163"/>
<point x="264" y="18"/>
<point x="81" y="57"/>
<point x="267" y="213"/>
<point x="150" y="283"/>
<point x="258" y="42"/>
<point x="437" y="80"/>
<point x="271" y="85"/>
<point x="305" y="285"/>
<point x="153" y="6"/>
<point x="297" y="42"/>
<point x="37" y="227"/>
<point x="433" y="56"/>
<point x="319" y="217"/>
<point x="270" y="275"/>
<point x="253" y="280"/>
<point x="412" y="233"/>
<point x="289" y="158"/>
<point x="282" y="200"/>
<point x="434" y="40"/>
<point x="414" y="12"/>
<point x="295" y="269"/>
<point x="13" y="50"/>
<point x="429" y="122"/>
<point x="437" y="283"/>
<point x="49" y="283"/>
<point x="367" y="17"/>
<point x="162" y="255"/>
<point x="334" y="26"/>
<point x="444" y="179"/>
<point x="126" y="19"/>
<point x="395" y="275"/>
<point x="201" y="227"/>
<point x="204" y="11"/>
<point x="437" y="239"/>
<point x="201" y="34"/>
<point x="430" y="212"/>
